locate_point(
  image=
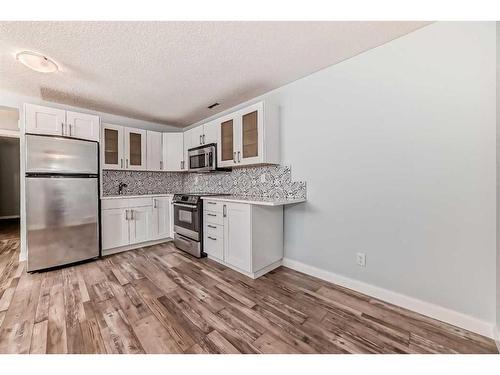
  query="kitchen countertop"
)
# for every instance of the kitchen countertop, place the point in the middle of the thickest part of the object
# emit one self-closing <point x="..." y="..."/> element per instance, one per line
<point x="136" y="196"/>
<point x="254" y="200"/>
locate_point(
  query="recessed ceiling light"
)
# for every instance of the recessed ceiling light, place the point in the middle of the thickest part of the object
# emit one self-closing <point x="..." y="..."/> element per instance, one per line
<point x="37" y="62"/>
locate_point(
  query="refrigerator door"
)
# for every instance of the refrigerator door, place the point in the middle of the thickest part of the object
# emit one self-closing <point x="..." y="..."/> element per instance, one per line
<point x="45" y="154"/>
<point x="62" y="220"/>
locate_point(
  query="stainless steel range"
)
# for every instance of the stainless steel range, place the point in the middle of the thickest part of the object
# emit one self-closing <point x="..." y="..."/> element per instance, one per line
<point x="188" y="222"/>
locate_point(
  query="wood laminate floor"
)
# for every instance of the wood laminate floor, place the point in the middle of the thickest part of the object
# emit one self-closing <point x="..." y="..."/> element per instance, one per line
<point x="160" y="300"/>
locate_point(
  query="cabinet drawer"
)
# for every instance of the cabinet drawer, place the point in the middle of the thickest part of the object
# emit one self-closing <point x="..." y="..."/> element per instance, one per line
<point x="109" y="204"/>
<point x="212" y="217"/>
<point x="214" y="206"/>
<point x="214" y="230"/>
<point x="140" y="202"/>
<point x="213" y="246"/>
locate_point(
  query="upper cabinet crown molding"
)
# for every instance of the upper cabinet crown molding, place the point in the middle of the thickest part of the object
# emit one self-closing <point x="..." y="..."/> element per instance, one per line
<point x="52" y="121"/>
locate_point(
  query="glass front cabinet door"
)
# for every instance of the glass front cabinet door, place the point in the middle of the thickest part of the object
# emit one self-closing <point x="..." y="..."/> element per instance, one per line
<point x="135" y="148"/>
<point x="251" y="135"/>
<point x="112" y="147"/>
<point x="227" y="150"/>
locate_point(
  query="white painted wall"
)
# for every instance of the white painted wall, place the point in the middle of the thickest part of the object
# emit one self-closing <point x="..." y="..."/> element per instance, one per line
<point x="397" y="146"/>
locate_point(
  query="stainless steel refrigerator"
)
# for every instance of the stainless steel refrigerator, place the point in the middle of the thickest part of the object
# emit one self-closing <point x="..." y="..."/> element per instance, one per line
<point x="62" y="201"/>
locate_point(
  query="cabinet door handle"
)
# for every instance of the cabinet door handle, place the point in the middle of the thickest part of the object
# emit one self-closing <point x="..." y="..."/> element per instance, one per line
<point x="211" y="214"/>
<point x="70" y="130"/>
<point x="224" y="211"/>
<point x="161" y="165"/>
<point x="131" y="214"/>
<point x="201" y="140"/>
<point x="126" y="163"/>
<point x="211" y="226"/>
<point x="154" y="203"/>
<point x="239" y="157"/>
<point x="234" y="157"/>
<point x="62" y="128"/>
<point x="215" y="239"/>
<point x="126" y="215"/>
<point x="211" y="203"/>
<point x="121" y="163"/>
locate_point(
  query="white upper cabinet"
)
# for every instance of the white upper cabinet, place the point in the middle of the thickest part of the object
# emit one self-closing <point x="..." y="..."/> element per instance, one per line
<point x="227" y="145"/>
<point x="249" y="136"/>
<point x="135" y="148"/>
<point x="192" y="138"/>
<point x="52" y="121"/>
<point x="210" y="132"/>
<point x="123" y="148"/>
<point x="154" y="156"/>
<point x="44" y="120"/>
<point x="112" y="147"/>
<point x="82" y="125"/>
<point x="173" y="152"/>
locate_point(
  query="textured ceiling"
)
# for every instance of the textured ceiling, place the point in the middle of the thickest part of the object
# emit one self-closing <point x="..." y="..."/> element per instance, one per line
<point x="169" y="72"/>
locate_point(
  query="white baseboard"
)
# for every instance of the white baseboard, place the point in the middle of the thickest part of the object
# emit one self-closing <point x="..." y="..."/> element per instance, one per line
<point x="496" y="336"/>
<point x="425" y="308"/>
<point x="117" y="250"/>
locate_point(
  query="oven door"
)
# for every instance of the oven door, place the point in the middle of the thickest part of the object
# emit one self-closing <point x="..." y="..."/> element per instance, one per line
<point x="202" y="159"/>
<point x="187" y="220"/>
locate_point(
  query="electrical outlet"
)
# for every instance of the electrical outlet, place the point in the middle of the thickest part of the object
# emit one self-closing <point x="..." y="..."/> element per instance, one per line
<point x="263" y="178"/>
<point x="361" y="259"/>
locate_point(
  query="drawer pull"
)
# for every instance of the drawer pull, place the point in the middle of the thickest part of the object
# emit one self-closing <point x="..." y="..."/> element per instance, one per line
<point x="211" y="226"/>
<point x="211" y="214"/>
<point x="211" y="202"/>
<point x="215" y="239"/>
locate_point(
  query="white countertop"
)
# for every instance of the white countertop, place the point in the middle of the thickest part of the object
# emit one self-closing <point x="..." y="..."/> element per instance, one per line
<point x="253" y="200"/>
<point x="136" y="196"/>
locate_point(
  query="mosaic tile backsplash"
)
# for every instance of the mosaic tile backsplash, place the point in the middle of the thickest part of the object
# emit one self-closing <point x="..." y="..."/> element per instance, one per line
<point x="243" y="181"/>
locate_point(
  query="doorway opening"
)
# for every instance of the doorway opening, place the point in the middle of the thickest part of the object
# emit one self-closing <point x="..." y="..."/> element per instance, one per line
<point x="10" y="183"/>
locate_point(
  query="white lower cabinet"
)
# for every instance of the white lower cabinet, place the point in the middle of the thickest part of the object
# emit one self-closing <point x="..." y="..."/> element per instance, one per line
<point x="126" y="222"/>
<point x="237" y="236"/>
<point x="139" y="224"/>
<point x="115" y="228"/>
<point x="245" y="237"/>
<point x="161" y="225"/>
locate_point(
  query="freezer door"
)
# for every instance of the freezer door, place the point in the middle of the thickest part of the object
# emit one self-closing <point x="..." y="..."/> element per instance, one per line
<point x="60" y="155"/>
<point x="62" y="220"/>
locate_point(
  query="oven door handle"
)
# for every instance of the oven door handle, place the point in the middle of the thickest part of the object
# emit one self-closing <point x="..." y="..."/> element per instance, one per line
<point x="183" y="240"/>
<point x="185" y="205"/>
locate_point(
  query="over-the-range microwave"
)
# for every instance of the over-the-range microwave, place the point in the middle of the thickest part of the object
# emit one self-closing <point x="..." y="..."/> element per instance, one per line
<point x="203" y="158"/>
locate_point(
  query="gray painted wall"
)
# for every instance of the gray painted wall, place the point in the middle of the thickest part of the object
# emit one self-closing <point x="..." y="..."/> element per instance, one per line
<point x="397" y="146"/>
<point x="9" y="177"/>
<point x="498" y="179"/>
<point x="398" y="149"/>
